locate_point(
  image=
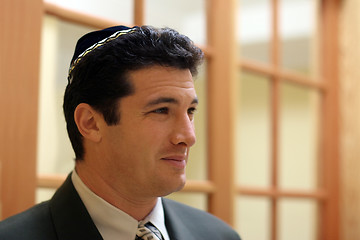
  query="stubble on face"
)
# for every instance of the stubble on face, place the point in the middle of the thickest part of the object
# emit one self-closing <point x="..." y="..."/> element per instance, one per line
<point x="148" y="150"/>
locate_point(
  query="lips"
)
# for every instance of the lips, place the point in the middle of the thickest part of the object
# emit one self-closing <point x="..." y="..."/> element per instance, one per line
<point x="175" y="158"/>
<point x="176" y="161"/>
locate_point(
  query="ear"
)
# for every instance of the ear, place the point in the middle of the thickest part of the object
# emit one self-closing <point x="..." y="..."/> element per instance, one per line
<point x="86" y="120"/>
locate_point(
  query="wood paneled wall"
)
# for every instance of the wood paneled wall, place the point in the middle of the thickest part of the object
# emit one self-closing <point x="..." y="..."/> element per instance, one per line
<point x="20" y="24"/>
<point x="350" y="118"/>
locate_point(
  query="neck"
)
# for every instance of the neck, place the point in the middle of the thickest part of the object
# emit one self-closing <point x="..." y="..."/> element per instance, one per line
<point x="136" y="206"/>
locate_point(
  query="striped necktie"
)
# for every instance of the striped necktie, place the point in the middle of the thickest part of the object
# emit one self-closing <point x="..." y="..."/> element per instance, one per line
<point x="148" y="232"/>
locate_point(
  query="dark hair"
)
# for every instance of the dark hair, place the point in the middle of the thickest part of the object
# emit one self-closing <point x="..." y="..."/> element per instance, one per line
<point x="100" y="79"/>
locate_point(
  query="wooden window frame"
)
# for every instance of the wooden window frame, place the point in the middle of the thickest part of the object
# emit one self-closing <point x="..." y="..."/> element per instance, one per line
<point x="221" y="55"/>
<point x="327" y="194"/>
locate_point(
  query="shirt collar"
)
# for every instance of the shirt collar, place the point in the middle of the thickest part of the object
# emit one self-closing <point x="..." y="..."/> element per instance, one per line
<point x="111" y="222"/>
<point x="156" y="217"/>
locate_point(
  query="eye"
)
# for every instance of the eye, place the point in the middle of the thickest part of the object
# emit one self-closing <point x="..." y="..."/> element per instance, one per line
<point x="163" y="110"/>
<point x="191" y="111"/>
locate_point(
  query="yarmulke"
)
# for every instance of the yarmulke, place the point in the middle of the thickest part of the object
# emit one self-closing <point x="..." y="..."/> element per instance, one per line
<point x="92" y="40"/>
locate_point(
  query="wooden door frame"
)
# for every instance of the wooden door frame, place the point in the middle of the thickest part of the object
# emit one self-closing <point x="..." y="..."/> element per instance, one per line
<point x="19" y="68"/>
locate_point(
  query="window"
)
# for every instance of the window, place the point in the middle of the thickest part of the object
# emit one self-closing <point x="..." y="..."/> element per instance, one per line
<point x="283" y="153"/>
<point x="268" y="113"/>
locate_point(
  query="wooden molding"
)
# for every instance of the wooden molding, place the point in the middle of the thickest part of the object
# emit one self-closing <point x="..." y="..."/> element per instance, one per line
<point x="276" y="193"/>
<point x="54" y="181"/>
<point x="78" y="17"/>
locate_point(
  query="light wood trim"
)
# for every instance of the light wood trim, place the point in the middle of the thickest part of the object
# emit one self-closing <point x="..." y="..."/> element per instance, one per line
<point x="221" y="72"/>
<point x="139" y="12"/>
<point x="78" y="17"/>
<point x="50" y="180"/>
<point x="282" y="75"/>
<point x="275" y="52"/>
<point x="208" y="52"/>
<point x="199" y="186"/>
<point x="100" y="22"/>
<point x="276" y="193"/>
<point x="275" y="100"/>
<point x="54" y="181"/>
<point x="330" y="214"/>
<point x="20" y="24"/>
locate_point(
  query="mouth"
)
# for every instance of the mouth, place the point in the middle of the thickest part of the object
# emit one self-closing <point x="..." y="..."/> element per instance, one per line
<point x="176" y="161"/>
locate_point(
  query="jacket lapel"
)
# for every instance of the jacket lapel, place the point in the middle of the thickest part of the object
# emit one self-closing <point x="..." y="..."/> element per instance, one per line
<point x="175" y="226"/>
<point x="70" y="217"/>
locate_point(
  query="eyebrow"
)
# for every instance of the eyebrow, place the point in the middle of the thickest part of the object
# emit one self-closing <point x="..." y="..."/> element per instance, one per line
<point x="167" y="100"/>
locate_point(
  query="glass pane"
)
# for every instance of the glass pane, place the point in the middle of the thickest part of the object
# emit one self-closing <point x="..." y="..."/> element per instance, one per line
<point x="121" y="11"/>
<point x="298" y="29"/>
<point x="196" y="200"/>
<point x="254" y="29"/>
<point x="299" y="137"/>
<point x="43" y="194"/>
<point x="297" y="219"/>
<point x="197" y="164"/>
<point x="253" y="149"/>
<point x="253" y="218"/>
<point x="186" y="16"/>
<point x="55" y="154"/>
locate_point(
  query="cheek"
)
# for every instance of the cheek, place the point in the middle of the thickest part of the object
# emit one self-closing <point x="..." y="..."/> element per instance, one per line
<point x="152" y="130"/>
<point x="143" y="140"/>
<point x="138" y="140"/>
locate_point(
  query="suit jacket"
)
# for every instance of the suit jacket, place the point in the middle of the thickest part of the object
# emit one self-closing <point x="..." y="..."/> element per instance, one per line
<point x="64" y="217"/>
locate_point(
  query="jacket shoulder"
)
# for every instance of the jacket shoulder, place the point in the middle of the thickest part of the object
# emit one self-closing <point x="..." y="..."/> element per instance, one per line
<point x="196" y="222"/>
<point x="34" y="223"/>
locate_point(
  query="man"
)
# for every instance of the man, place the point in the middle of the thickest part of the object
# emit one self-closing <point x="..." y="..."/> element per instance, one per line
<point x="129" y="107"/>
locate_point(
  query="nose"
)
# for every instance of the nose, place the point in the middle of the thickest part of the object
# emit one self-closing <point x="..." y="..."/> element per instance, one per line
<point x="183" y="132"/>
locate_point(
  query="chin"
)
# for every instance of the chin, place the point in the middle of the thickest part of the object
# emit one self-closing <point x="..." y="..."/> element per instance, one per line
<point x="172" y="186"/>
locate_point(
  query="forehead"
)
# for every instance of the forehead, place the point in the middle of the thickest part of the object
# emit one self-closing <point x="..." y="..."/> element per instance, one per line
<point x="159" y="79"/>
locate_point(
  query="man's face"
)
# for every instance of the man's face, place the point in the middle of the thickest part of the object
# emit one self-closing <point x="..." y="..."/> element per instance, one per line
<point x="146" y="153"/>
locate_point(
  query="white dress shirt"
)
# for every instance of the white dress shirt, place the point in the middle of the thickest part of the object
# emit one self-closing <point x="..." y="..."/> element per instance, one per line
<point x="112" y="223"/>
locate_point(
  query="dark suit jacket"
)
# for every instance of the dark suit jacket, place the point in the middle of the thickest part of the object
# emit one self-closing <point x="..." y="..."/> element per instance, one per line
<point x="65" y="217"/>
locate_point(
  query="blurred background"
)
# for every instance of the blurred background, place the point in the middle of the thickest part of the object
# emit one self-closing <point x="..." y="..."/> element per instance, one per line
<point x="278" y="126"/>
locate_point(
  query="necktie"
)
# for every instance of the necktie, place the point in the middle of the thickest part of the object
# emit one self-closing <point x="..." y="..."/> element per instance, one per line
<point x="148" y="232"/>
